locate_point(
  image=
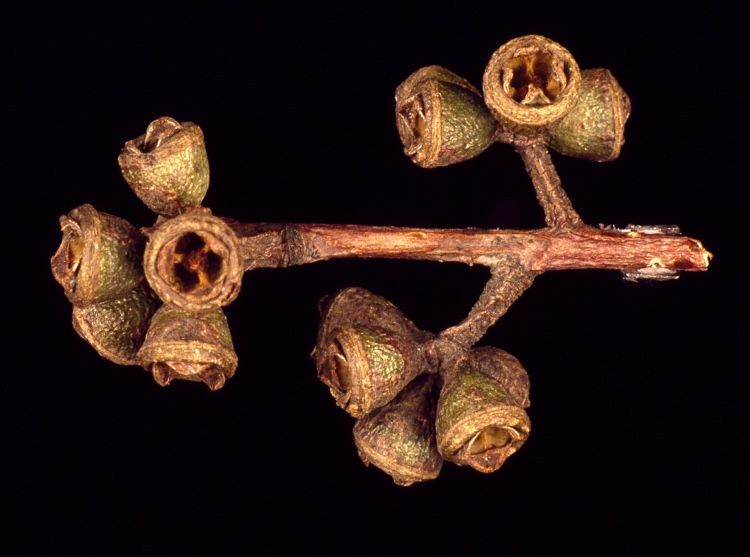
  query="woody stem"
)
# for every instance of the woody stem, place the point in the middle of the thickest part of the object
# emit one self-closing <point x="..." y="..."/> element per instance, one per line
<point x="558" y="210"/>
<point x="546" y="249"/>
<point x="508" y="281"/>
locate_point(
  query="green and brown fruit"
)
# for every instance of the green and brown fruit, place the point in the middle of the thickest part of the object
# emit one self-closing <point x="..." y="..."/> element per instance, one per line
<point x="399" y="438"/>
<point x="367" y="350"/>
<point x="441" y="118"/>
<point x="531" y="83"/>
<point x="194" y="346"/>
<point x="479" y="422"/>
<point x="100" y="256"/>
<point x="595" y="128"/>
<point x="167" y="167"/>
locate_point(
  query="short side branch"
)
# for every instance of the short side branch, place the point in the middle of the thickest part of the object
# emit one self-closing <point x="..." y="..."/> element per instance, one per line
<point x="509" y="280"/>
<point x="558" y="210"/>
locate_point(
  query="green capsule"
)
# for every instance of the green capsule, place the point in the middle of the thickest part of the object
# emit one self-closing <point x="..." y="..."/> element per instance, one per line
<point x="167" y="167"/>
<point x="116" y="327"/>
<point x="479" y="423"/>
<point x="355" y="306"/>
<point x="506" y="370"/>
<point x="367" y="367"/>
<point x="195" y="346"/>
<point x="441" y="118"/>
<point x="399" y="438"/>
<point x="100" y="256"/>
<point x="367" y="350"/>
<point x="595" y="128"/>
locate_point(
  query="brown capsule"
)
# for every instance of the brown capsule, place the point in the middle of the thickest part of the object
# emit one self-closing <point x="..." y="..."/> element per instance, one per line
<point x="167" y="167"/>
<point x="531" y="83"/>
<point x="196" y="346"/>
<point x="100" y="256"/>
<point x="116" y="327"/>
<point x="478" y="422"/>
<point x="366" y="367"/>
<point x="358" y="306"/>
<point x="367" y="350"/>
<point x="441" y="118"/>
<point x="399" y="438"/>
<point x="506" y="370"/>
<point x="595" y="128"/>
<point x="193" y="261"/>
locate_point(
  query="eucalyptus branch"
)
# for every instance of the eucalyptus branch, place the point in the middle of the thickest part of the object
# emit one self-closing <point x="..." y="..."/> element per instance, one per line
<point x="420" y="398"/>
<point x="545" y="249"/>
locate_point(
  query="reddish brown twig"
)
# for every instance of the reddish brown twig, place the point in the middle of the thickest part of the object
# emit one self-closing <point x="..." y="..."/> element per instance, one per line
<point x="581" y="247"/>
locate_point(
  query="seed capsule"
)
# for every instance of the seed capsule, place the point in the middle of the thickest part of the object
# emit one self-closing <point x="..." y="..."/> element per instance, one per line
<point x="595" y="128"/>
<point x="441" y="118"/>
<point x="399" y="438"/>
<point x="116" y="327"/>
<point x="506" y="370"/>
<point x="356" y="306"/>
<point x="367" y="350"/>
<point x="367" y="367"/>
<point x="196" y="346"/>
<point x="167" y="167"/>
<point x="100" y="256"/>
<point x="478" y="421"/>
<point x="194" y="261"/>
<point x="530" y="83"/>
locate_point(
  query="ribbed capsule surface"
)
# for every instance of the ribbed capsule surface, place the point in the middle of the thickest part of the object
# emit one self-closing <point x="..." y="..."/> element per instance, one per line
<point x="399" y="438"/>
<point x="367" y="350"/>
<point x="595" y="128"/>
<point x="441" y="118"/>
<point x="100" y="256"/>
<point x="195" y="346"/>
<point x="478" y="423"/>
<point x="167" y="167"/>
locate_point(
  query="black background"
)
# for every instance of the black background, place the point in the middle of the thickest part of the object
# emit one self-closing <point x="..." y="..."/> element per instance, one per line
<point x="638" y="391"/>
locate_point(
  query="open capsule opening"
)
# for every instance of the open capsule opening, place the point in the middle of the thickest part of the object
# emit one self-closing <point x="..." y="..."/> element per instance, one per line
<point x="414" y="115"/>
<point x="196" y="265"/>
<point x="336" y="372"/>
<point x="534" y="79"/>
<point x="194" y="262"/>
<point x="530" y="83"/>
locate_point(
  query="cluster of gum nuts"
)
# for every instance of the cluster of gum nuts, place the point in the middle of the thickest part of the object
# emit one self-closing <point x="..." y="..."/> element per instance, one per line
<point x="413" y="412"/>
<point x="414" y="407"/>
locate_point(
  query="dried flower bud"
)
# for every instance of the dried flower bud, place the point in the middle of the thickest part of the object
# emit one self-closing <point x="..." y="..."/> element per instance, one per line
<point x="193" y="261"/>
<point x="367" y="367"/>
<point x="99" y="258"/>
<point x="367" y="350"/>
<point x="595" y="128"/>
<point x="531" y="83"/>
<point x="441" y="118"/>
<point x="478" y="422"/>
<point x="116" y="327"/>
<point x="399" y="438"/>
<point x="506" y="370"/>
<point x="196" y="346"/>
<point x="167" y="167"/>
